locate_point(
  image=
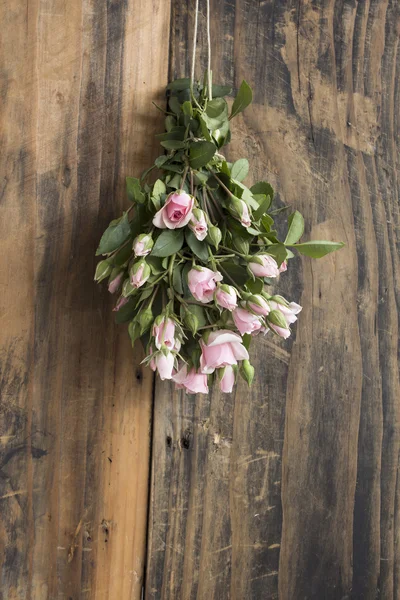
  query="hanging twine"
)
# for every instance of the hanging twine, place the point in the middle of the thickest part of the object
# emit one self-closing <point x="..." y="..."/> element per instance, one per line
<point x="196" y="21"/>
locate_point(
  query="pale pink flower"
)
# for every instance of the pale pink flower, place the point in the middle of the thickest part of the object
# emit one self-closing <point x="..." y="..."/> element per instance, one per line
<point x="283" y="332"/>
<point x="202" y="283"/>
<point x="140" y="273"/>
<point x="245" y="217"/>
<point x="257" y="304"/>
<point x="176" y="212"/>
<point x="223" y="348"/>
<point x="121" y="302"/>
<point x="143" y="244"/>
<point x="198" y="224"/>
<point x="289" y="312"/>
<point x="164" y="334"/>
<point x="245" y="321"/>
<point x="283" y="267"/>
<point x="115" y="283"/>
<point x="226" y="297"/>
<point x="267" y="268"/>
<point x="228" y="380"/>
<point x="193" y="382"/>
<point x="164" y="365"/>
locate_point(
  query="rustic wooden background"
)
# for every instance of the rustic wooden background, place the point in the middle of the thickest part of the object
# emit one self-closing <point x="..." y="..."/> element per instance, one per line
<point x="289" y="490"/>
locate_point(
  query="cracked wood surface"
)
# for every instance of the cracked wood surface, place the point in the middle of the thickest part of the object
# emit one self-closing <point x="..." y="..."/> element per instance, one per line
<point x="290" y="490"/>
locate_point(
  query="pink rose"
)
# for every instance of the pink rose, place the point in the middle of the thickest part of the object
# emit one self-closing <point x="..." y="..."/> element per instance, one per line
<point x="164" y="365"/>
<point x="176" y="212"/>
<point x="140" y="272"/>
<point x="263" y="265"/>
<point x="193" y="382"/>
<point x="121" y="302"/>
<point x="245" y="321"/>
<point x="198" y="224"/>
<point x="202" y="283"/>
<point x="245" y="217"/>
<point x="226" y="297"/>
<point x="115" y="283"/>
<point x="258" y="305"/>
<point x="142" y="244"/>
<point x="228" y="380"/>
<point x="164" y="334"/>
<point x="289" y="312"/>
<point x="223" y="348"/>
<point x="283" y="267"/>
<point x="283" y="332"/>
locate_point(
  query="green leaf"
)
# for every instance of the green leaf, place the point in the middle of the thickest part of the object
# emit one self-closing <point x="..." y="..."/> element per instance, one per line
<point x="255" y="286"/>
<point x="267" y="222"/>
<point x="168" y="242"/>
<point x="264" y="206"/>
<point x="187" y="108"/>
<point x="172" y="144"/>
<point x="126" y="312"/>
<point x="174" y="105"/>
<point x="216" y="108"/>
<point x="240" y="169"/>
<point x="263" y="187"/>
<point x="179" y="84"/>
<point x="175" y="182"/>
<point x="199" y="312"/>
<point x="218" y="91"/>
<point x="134" y="190"/>
<point x="200" y="249"/>
<point x="115" y="235"/>
<point x="177" y="279"/>
<point x="158" y="188"/>
<point x="236" y="272"/>
<point x="122" y="255"/>
<point x="295" y="228"/>
<point x="278" y="251"/>
<point x="316" y="248"/>
<point x="160" y="160"/>
<point x="242" y="100"/>
<point x="177" y="133"/>
<point x="201" y="153"/>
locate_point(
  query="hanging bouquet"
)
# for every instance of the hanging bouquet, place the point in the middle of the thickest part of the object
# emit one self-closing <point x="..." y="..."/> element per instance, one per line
<point x="194" y="256"/>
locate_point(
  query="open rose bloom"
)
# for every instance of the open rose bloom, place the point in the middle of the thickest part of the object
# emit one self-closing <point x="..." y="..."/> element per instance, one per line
<point x="195" y="263"/>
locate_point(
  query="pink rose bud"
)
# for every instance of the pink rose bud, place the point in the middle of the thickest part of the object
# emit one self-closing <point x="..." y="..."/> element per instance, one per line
<point x="202" y="283"/>
<point x="222" y="348"/>
<point x="239" y="209"/>
<point x="283" y="267"/>
<point x="245" y="321"/>
<point x="143" y="244"/>
<point x="115" y="283"/>
<point x="226" y="297"/>
<point x="263" y="265"/>
<point x="176" y="212"/>
<point x="193" y="382"/>
<point x="139" y="273"/>
<point x="121" y="302"/>
<point x="228" y="380"/>
<point x="164" y="333"/>
<point x="277" y="323"/>
<point x="245" y="217"/>
<point x="258" y="305"/>
<point x="289" y="310"/>
<point x="163" y="364"/>
<point x="198" y="224"/>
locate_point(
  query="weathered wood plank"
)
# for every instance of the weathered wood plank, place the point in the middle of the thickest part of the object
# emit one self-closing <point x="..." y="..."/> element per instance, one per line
<point x="77" y="83"/>
<point x="290" y="490"/>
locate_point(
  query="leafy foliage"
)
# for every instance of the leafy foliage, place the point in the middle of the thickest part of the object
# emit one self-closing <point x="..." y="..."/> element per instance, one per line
<point x="197" y="213"/>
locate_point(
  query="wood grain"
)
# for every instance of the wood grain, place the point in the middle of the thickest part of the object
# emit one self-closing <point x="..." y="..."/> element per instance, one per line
<point x="290" y="490"/>
<point x="77" y="80"/>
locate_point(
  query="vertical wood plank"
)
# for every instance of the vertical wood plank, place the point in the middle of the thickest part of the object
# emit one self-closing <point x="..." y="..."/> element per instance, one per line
<point x="289" y="490"/>
<point x="76" y="118"/>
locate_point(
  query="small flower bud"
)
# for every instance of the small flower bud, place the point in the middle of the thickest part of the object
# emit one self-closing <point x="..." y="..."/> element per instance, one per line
<point x="134" y="331"/>
<point x="241" y="245"/>
<point x="198" y="224"/>
<point x="103" y="270"/>
<point x="143" y="244"/>
<point x="247" y="371"/>
<point x="215" y="235"/>
<point x="258" y="305"/>
<point x="139" y="273"/>
<point x="240" y="210"/>
<point x="115" y="280"/>
<point x="145" y="319"/>
<point x="191" y="321"/>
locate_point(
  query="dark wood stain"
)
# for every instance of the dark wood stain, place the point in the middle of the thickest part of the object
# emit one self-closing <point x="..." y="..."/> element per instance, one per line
<point x="289" y="490"/>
